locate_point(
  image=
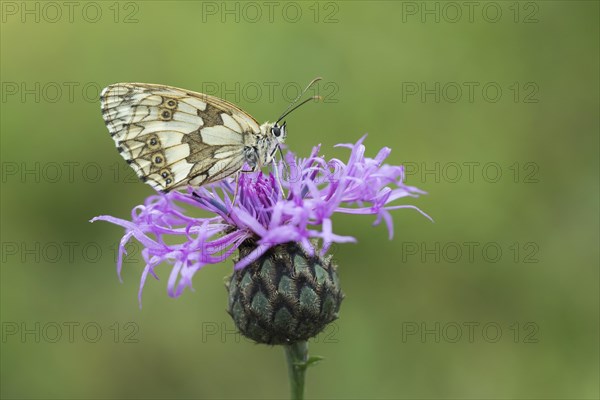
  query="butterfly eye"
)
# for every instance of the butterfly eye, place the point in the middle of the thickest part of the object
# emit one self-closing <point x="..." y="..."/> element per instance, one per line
<point x="276" y="131"/>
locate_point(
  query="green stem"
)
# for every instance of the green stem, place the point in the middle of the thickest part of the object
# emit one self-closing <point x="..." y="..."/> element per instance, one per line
<point x="297" y="360"/>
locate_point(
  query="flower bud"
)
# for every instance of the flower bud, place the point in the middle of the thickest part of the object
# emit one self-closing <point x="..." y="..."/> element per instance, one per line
<point x="285" y="296"/>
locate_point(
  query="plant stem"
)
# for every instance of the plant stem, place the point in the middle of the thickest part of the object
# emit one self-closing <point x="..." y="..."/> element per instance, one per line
<point x="297" y="357"/>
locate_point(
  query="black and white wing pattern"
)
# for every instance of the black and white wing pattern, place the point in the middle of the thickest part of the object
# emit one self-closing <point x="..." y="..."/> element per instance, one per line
<point x="174" y="137"/>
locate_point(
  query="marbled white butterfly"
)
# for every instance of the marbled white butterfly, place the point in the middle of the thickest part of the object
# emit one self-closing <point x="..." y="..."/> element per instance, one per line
<point x="174" y="137"/>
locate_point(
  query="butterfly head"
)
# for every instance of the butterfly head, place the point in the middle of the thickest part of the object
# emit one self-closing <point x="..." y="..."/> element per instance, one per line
<point x="274" y="130"/>
<point x="278" y="132"/>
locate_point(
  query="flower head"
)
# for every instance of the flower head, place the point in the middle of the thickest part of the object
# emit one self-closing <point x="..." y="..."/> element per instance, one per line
<point x="262" y="208"/>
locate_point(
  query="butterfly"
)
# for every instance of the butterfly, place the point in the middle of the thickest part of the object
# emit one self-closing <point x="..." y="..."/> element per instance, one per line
<point x="174" y="137"/>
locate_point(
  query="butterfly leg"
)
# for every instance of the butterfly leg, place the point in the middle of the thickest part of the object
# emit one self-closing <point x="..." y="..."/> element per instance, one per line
<point x="237" y="185"/>
<point x="277" y="177"/>
<point x="237" y="181"/>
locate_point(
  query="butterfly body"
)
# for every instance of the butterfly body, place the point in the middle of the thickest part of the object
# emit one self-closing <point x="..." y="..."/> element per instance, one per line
<point x="173" y="137"/>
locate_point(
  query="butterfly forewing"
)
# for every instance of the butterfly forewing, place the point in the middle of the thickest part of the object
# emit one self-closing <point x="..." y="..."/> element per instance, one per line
<point x="173" y="137"/>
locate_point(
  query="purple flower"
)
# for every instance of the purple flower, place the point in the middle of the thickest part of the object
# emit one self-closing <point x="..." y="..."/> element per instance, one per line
<point x="313" y="190"/>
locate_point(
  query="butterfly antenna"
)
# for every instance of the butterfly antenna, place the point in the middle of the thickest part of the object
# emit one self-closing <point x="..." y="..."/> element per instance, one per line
<point x="287" y="110"/>
<point x="297" y="106"/>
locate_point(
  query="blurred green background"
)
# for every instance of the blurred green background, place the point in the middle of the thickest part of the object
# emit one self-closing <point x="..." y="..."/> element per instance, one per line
<point x="496" y="299"/>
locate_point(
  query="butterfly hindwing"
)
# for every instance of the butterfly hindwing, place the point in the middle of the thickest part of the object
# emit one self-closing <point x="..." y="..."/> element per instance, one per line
<point x="173" y="137"/>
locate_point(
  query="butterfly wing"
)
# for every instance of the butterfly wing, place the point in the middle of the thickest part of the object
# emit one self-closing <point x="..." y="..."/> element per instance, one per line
<point x="174" y="137"/>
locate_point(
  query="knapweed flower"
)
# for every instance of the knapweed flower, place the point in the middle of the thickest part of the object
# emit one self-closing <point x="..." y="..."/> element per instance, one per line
<point x="284" y="287"/>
